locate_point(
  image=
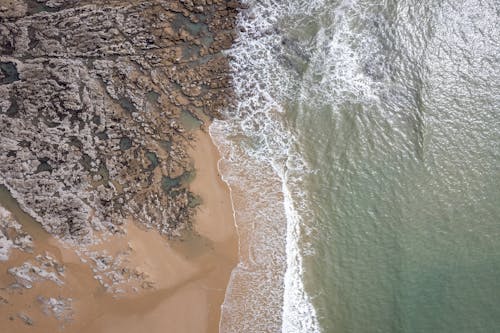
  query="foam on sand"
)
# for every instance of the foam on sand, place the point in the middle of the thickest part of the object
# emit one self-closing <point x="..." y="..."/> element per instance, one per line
<point x="264" y="170"/>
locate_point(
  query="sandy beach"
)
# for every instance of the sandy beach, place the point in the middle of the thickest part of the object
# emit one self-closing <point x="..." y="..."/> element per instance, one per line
<point x="187" y="277"/>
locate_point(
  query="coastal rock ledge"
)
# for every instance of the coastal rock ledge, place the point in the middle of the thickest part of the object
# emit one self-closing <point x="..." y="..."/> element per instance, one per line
<point x="93" y="108"/>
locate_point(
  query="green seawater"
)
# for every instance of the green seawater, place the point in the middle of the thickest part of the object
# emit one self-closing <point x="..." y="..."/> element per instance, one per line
<point x="377" y="123"/>
<point x="399" y="116"/>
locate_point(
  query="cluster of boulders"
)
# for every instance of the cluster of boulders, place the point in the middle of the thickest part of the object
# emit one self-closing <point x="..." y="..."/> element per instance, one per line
<point x="92" y="95"/>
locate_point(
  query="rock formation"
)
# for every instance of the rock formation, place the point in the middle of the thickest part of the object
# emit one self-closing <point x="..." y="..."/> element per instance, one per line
<point x="92" y="98"/>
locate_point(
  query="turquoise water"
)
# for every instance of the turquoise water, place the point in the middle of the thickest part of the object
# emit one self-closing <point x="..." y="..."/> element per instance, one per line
<point x="381" y="120"/>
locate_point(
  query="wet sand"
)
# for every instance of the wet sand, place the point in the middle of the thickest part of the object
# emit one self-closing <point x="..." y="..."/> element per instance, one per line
<point x="188" y="276"/>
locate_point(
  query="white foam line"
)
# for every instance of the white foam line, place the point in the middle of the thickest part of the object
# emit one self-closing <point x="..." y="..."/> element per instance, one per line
<point x="299" y="314"/>
<point x="256" y="118"/>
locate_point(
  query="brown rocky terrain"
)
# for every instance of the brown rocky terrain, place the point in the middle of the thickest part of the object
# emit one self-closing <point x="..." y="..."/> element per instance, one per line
<point x="95" y="101"/>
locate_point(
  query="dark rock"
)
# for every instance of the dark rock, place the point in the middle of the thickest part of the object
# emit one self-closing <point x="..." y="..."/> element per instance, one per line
<point x="90" y="129"/>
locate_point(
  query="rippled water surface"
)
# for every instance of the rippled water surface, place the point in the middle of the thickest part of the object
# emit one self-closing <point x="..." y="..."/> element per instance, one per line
<point x="365" y="157"/>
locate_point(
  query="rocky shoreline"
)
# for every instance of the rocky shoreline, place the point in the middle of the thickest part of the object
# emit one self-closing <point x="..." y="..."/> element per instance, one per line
<point x="95" y="97"/>
<point x="98" y="104"/>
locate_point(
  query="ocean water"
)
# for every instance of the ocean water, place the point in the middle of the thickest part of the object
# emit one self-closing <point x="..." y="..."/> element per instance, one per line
<point x="363" y="157"/>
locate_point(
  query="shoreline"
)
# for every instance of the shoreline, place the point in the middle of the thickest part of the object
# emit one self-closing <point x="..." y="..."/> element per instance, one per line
<point x="107" y="227"/>
<point x="239" y="258"/>
<point x="219" y="225"/>
<point x="190" y="275"/>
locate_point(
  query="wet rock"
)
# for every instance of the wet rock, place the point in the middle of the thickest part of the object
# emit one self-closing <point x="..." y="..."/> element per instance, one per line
<point x="45" y="269"/>
<point x="114" y="272"/>
<point x="12" y="236"/>
<point x="25" y="318"/>
<point x="13" y="9"/>
<point x="60" y="308"/>
<point x="5" y="246"/>
<point x="93" y="90"/>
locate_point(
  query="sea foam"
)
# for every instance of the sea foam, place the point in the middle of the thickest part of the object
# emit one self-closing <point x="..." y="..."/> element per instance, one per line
<point x="262" y="165"/>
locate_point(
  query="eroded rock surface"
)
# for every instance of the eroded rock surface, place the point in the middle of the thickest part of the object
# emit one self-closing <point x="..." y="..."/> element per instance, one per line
<point x="12" y="235"/>
<point x="91" y="98"/>
<point x="58" y="307"/>
<point x="44" y="268"/>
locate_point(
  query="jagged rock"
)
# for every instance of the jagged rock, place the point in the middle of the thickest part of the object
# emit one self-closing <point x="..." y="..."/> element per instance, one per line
<point x="89" y="89"/>
<point x="46" y="270"/>
<point x="114" y="272"/>
<point x="12" y="235"/>
<point x="60" y="308"/>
